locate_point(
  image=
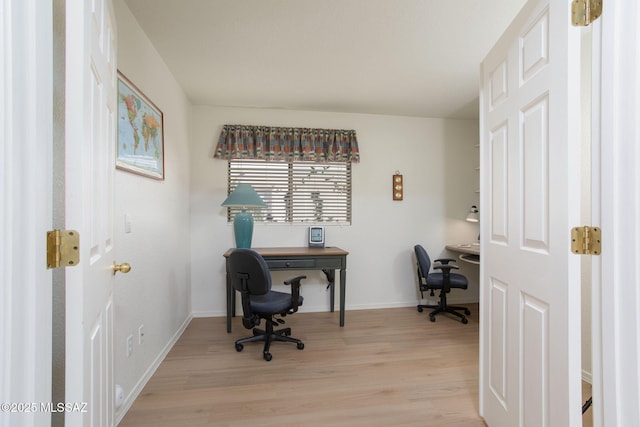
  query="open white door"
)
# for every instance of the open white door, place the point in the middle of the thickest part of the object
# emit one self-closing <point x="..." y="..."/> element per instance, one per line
<point x="530" y="372"/>
<point x="89" y="169"/>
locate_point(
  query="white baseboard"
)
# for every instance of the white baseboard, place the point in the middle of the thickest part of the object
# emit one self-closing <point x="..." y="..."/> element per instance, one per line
<point x="197" y="314"/>
<point x="137" y="389"/>
<point x="587" y="377"/>
<point x="322" y="308"/>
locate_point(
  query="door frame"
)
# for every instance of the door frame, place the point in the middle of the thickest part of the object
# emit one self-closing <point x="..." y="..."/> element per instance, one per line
<point x="616" y="184"/>
<point x="26" y="117"/>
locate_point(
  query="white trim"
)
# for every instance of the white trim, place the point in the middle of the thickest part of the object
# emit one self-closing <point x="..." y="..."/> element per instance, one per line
<point x="5" y="260"/>
<point x="26" y="147"/>
<point x="617" y="379"/>
<point x="318" y="309"/>
<point x="596" y="221"/>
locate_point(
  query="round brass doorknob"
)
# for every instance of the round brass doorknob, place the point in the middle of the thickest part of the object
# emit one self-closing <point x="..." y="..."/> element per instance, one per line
<point x="125" y="267"/>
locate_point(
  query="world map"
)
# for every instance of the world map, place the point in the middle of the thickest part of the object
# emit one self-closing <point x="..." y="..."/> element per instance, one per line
<point x="139" y="131"/>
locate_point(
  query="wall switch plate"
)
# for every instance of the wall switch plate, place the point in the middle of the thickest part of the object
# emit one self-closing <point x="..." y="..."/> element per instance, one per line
<point x="141" y="334"/>
<point x="127" y="223"/>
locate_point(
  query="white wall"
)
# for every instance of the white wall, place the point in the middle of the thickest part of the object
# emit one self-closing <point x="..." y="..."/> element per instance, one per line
<point x="156" y="293"/>
<point x="438" y="160"/>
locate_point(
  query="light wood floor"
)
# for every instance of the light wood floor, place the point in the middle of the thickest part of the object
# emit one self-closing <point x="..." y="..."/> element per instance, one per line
<point x="388" y="367"/>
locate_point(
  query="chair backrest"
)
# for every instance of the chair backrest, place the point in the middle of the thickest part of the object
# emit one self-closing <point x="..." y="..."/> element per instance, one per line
<point x="250" y="265"/>
<point x="424" y="262"/>
<point x="249" y="275"/>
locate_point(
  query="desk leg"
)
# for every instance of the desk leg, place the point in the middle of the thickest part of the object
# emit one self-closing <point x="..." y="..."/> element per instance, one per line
<point x="331" y="278"/>
<point x="343" y="288"/>
<point x="230" y="300"/>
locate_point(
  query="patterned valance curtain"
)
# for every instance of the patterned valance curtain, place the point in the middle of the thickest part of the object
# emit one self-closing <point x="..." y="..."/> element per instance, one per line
<point x="287" y="144"/>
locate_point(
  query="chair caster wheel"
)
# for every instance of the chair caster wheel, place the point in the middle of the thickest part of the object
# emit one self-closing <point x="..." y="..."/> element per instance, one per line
<point x="300" y="346"/>
<point x="239" y="347"/>
<point x="433" y="319"/>
<point x="267" y="356"/>
<point x="467" y="312"/>
<point x="464" y="320"/>
<point x="419" y="309"/>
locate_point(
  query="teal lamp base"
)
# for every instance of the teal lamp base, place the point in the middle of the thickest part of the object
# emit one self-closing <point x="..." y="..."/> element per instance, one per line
<point x="243" y="229"/>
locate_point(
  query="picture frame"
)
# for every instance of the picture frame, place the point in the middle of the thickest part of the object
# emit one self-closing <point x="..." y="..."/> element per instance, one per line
<point x="140" y="142"/>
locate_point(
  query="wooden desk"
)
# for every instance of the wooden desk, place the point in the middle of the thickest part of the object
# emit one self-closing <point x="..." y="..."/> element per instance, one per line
<point x="470" y="251"/>
<point x="327" y="259"/>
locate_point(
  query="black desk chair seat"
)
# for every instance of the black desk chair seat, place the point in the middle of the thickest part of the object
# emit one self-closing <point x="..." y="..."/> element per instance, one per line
<point x="250" y="276"/>
<point x="443" y="281"/>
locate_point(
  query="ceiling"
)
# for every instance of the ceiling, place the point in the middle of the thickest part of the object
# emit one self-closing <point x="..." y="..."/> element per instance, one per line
<point x="394" y="57"/>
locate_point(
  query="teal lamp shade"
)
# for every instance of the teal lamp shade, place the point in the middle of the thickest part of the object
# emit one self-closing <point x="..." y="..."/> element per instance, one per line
<point x="244" y="196"/>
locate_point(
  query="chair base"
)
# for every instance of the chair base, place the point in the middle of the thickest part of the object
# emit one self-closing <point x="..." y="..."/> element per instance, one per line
<point x="268" y="336"/>
<point x="442" y="307"/>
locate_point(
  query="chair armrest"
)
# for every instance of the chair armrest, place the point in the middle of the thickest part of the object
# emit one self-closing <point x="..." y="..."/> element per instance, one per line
<point x="295" y="281"/>
<point x="295" y="291"/>
<point x="446" y="267"/>
<point x="446" y="274"/>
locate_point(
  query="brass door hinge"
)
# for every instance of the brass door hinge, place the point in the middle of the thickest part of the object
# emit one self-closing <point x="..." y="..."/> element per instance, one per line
<point x="584" y="12"/>
<point x="586" y="240"/>
<point x="63" y="248"/>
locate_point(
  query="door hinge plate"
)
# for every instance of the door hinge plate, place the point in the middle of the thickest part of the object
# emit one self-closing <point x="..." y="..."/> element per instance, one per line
<point x="586" y="240"/>
<point x="584" y="12"/>
<point x="63" y="248"/>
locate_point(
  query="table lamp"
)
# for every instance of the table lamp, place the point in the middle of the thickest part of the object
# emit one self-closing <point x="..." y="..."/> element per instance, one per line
<point x="473" y="216"/>
<point x="244" y="196"/>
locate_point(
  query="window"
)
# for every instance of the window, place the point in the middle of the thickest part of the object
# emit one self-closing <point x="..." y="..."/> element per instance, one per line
<point x="295" y="192"/>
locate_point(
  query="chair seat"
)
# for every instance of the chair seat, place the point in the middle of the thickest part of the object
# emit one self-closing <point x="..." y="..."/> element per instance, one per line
<point x="272" y="302"/>
<point x="435" y="280"/>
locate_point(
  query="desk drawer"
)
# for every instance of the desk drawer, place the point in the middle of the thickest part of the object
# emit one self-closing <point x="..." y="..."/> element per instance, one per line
<point x="283" y="264"/>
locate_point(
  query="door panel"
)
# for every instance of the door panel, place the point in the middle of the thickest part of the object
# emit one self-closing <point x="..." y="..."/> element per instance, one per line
<point x="499" y="193"/>
<point x="497" y="342"/>
<point x="535" y="354"/>
<point x="535" y="175"/>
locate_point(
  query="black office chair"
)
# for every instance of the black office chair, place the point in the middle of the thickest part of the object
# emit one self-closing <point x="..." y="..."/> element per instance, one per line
<point x="250" y="276"/>
<point x="444" y="281"/>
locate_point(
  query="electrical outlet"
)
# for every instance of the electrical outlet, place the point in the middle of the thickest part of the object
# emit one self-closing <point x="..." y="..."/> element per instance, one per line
<point x="141" y="335"/>
<point x="129" y="345"/>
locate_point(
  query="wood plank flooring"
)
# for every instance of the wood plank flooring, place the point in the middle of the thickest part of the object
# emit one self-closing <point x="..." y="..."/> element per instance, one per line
<point x="390" y="367"/>
<point x="385" y="367"/>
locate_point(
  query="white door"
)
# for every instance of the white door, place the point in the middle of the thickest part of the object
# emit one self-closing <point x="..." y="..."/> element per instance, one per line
<point x="530" y="372"/>
<point x="90" y="137"/>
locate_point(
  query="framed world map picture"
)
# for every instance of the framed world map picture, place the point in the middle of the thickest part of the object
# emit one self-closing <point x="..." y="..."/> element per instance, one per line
<point x="140" y="132"/>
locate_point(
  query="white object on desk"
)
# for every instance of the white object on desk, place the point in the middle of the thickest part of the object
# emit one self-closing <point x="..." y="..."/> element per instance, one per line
<point x="316" y="237"/>
<point x="469" y="252"/>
